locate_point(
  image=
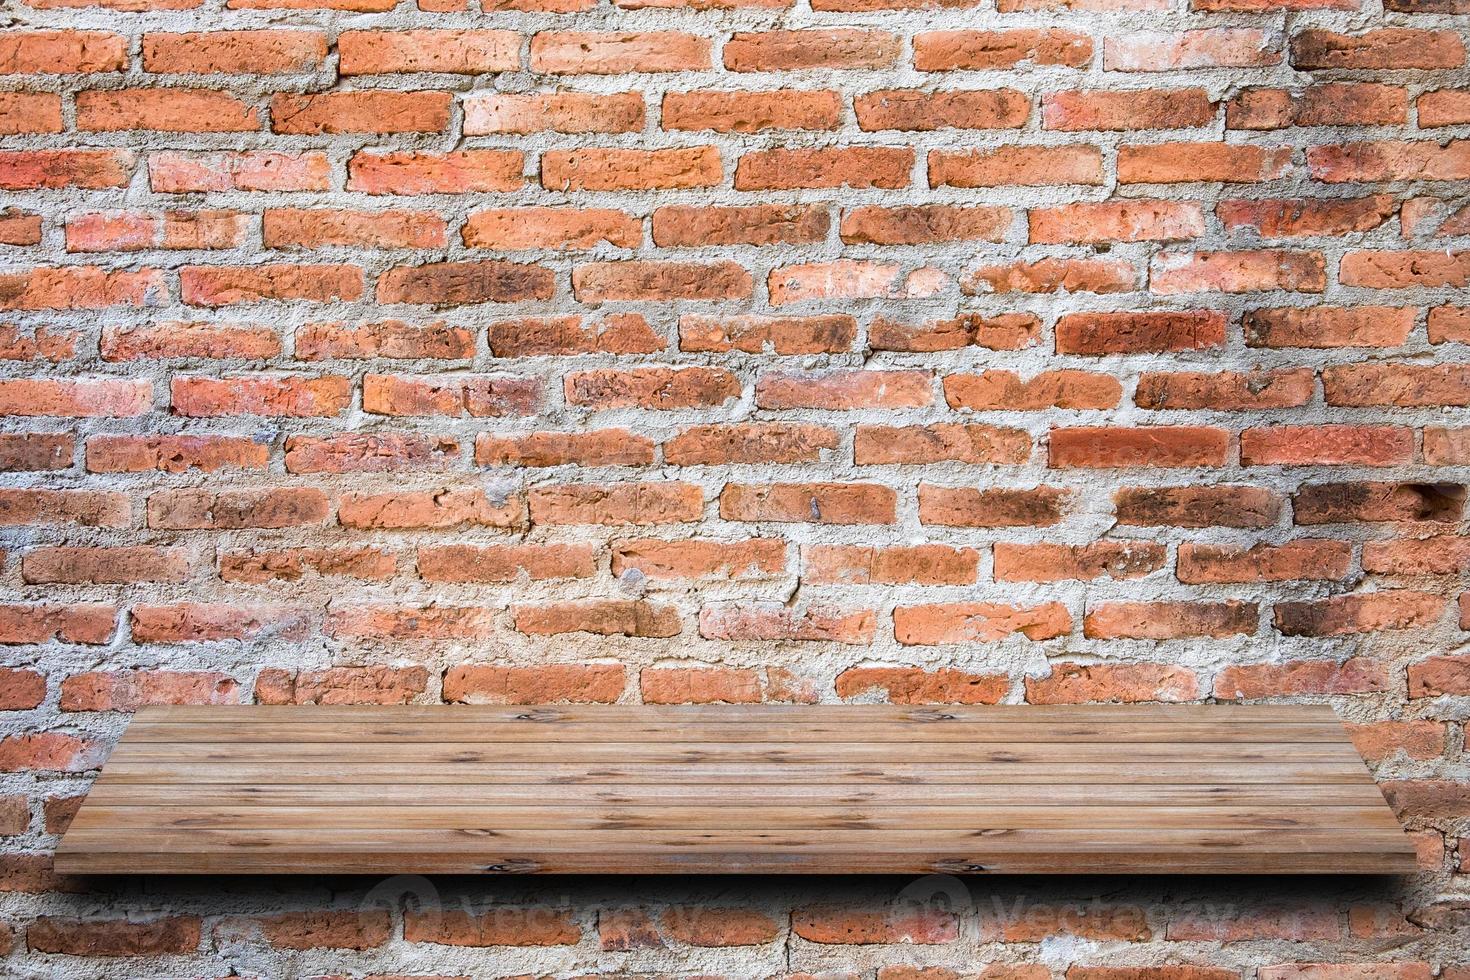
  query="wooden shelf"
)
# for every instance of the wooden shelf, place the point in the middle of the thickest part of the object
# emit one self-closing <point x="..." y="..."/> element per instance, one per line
<point x="1187" y="789"/>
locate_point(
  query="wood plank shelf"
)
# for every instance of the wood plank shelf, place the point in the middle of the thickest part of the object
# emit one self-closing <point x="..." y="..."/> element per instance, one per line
<point x="832" y="789"/>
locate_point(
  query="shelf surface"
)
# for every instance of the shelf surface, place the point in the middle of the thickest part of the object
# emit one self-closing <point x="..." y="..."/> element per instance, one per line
<point x="1180" y="789"/>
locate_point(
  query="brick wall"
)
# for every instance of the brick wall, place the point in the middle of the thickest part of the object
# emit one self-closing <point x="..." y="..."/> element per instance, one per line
<point x="566" y="350"/>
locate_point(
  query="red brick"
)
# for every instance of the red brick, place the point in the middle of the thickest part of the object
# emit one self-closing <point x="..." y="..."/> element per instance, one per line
<point x="1226" y="390"/>
<point x="552" y="683"/>
<point x="810" y="503"/>
<point x="19" y="227"/>
<point x="1159" y="445"/>
<point x="1330" y="445"/>
<point x="1437" y="555"/>
<point x="559" y="112"/>
<point x="602" y="447"/>
<point x="1135" y="109"/>
<point x="600" y="282"/>
<point x="114" y="937"/>
<point x="174" y="454"/>
<point x="617" y="504"/>
<point x="914" y="685"/>
<point x="132" y="689"/>
<point x="1075" y="683"/>
<point x="1295" y="560"/>
<point x="363" y="453"/>
<point x="1449" y="325"/>
<point x="1126" y="221"/>
<point x="1117" y="560"/>
<point x="230" y="285"/>
<point x="416" y="623"/>
<point x="50" y="752"/>
<point x="1390" y="47"/>
<point x="844" y="390"/>
<point x="1299" y="217"/>
<point x="1197" y="506"/>
<point x="585" y="52"/>
<point x="695" y="559"/>
<point x="1256" y="681"/>
<point x="1004" y="390"/>
<point x="1175" y="163"/>
<point x="757" y="225"/>
<point x="35" y="451"/>
<point x="761" y="442"/>
<point x="20" y="690"/>
<point x="205" y="341"/>
<point x="1327" y="327"/>
<point x="79" y="287"/>
<point x="1052" y="276"/>
<point x="1327" y="104"/>
<point x="987" y="50"/>
<point x="291" y="565"/>
<point x="1170" y="620"/>
<point x="341" y="685"/>
<point x="699" y="685"/>
<point x="233" y="509"/>
<point x="466" y="283"/>
<point x="751" y="112"/>
<point x="1402" y="385"/>
<point x="923" y="224"/>
<point x="603" y="617"/>
<point x="1006" y="331"/>
<point x="854" y="166"/>
<point x="915" y="110"/>
<point x="1041" y="506"/>
<point x="284" y="396"/>
<point x="451" y="396"/>
<point x="1331" y="503"/>
<point x="1405" y="270"/>
<point x="753" y="334"/>
<point x="802" y="50"/>
<point x="1443" y="107"/>
<point x="83" y="508"/>
<point x="618" y="333"/>
<point x="368" y="111"/>
<point x="40" y="623"/>
<point x="55" y="169"/>
<point x="29" y="112"/>
<point x="455" y="172"/>
<point x="133" y="231"/>
<point x="1386" y="739"/>
<point x="702" y="925"/>
<point x="185" y="110"/>
<point x="651" y="388"/>
<point x="1021" y="166"/>
<point x="1217" y="47"/>
<point x="850" y="279"/>
<point x="467" y="52"/>
<point x="877" y="445"/>
<point x="103" y="566"/>
<point x="1299" y="922"/>
<point x="62" y="52"/>
<point x="929" y="564"/>
<point x="324" y="929"/>
<point x="843" y="925"/>
<point x="436" y="340"/>
<point x="182" y="173"/>
<point x="1446" y="447"/>
<point x="442" y="509"/>
<point x="1368" y="612"/>
<point x="978" y="622"/>
<point x="1137" y="333"/>
<point x="263" y="52"/>
<point x="510" y="229"/>
<point x="501" y="926"/>
<point x="505" y="563"/>
<point x="1387" y="160"/>
<point x="319" y="228"/>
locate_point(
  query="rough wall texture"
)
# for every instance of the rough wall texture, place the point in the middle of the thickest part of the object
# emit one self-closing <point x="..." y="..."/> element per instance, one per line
<point x="567" y="350"/>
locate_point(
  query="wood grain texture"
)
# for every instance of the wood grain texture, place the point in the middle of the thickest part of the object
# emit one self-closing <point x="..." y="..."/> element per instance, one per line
<point x="1206" y="789"/>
